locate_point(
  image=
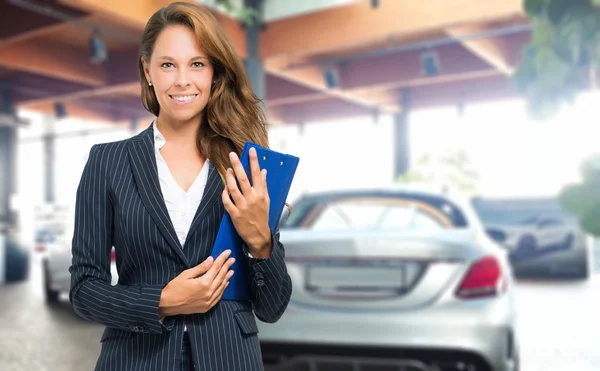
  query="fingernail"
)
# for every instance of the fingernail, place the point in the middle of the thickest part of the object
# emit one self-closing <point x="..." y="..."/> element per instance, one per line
<point x="232" y="260"/>
<point x="228" y="251"/>
<point x="253" y="150"/>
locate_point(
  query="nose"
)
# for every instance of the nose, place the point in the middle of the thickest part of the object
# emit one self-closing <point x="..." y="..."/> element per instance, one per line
<point x="182" y="78"/>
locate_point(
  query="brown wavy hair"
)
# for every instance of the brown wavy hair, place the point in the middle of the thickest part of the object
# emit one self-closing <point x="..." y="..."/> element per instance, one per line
<point x="233" y="114"/>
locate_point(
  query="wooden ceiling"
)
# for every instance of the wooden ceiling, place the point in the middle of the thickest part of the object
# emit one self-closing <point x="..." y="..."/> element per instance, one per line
<point x="44" y="55"/>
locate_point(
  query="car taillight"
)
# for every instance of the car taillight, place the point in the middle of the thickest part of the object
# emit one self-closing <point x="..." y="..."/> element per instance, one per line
<point x="112" y="255"/>
<point x="485" y="278"/>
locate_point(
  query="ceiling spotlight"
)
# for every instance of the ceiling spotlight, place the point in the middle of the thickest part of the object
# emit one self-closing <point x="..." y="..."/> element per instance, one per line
<point x="60" y="112"/>
<point x="430" y="62"/>
<point x="332" y="78"/>
<point x="98" y="51"/>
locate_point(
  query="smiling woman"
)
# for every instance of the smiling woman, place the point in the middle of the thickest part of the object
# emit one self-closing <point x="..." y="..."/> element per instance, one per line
<point x="158" y="198"/>
<point x="190" y="71"/>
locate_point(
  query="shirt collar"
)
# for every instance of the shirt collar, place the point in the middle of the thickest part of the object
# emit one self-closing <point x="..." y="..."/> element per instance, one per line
<point x="159" y="139"/>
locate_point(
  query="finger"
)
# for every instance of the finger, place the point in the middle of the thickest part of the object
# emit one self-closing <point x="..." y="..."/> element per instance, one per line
<point x="224" y="274"/>
<point x="263" y="174"/>
<point x="234" y="191"/>
<point x="200" y="268"/>
<point x="257" y="181"/>
<point x="228" y="204"/>
<point x="216" y="266"/>
<point x="240" y="174"/>
<point x="218" y="293"/>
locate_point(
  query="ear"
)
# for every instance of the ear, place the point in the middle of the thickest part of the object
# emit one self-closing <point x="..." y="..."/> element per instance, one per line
<point x="146" y="69"/>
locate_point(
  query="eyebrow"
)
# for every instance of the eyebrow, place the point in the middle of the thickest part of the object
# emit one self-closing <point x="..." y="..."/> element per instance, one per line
<point x="173" y="59"/>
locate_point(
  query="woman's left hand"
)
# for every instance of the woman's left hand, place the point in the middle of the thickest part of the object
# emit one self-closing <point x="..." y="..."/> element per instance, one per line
<point x="249" y="210"/>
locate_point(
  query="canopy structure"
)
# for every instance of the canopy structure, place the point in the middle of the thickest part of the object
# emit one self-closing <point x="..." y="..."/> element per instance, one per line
<point x="321" y="59"/>
<point x="309" y="60"/>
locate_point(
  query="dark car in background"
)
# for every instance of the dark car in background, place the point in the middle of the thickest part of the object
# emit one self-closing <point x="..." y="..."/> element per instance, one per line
<point x="541" y="237"/>
<point x="14" y="259"/>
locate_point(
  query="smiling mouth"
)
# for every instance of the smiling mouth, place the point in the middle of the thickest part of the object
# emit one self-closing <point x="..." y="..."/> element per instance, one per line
<point x="183" y="98"/>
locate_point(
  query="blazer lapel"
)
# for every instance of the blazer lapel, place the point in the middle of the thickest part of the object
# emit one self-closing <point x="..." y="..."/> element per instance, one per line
<point x="143" y="163"/>
<point x="212" y="193"/>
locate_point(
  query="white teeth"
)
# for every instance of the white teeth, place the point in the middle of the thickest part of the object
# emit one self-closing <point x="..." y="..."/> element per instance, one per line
<point x="183" y="98"/>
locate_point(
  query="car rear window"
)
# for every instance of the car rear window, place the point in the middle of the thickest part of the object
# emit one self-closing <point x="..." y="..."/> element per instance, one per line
<point x="372" y="212"/>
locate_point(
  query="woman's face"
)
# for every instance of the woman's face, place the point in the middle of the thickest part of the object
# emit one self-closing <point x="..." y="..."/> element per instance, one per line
<point x="181" y="74"/>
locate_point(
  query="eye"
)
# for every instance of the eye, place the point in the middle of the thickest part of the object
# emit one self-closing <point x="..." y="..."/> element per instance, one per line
<point x="167" y="65"/>
<point x="197" y="64"/>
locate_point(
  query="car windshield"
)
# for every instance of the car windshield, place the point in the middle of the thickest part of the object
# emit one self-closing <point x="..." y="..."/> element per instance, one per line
<point x="369" y="213"/>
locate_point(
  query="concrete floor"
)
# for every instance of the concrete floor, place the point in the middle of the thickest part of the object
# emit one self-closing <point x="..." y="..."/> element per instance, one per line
<point x="559" y="328"/>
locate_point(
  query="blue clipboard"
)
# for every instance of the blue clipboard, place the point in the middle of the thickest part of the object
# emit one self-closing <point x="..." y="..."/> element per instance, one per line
<point x="281" y="169"/>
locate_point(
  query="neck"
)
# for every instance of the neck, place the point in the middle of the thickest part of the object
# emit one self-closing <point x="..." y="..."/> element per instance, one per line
<point x="181" y="133"/>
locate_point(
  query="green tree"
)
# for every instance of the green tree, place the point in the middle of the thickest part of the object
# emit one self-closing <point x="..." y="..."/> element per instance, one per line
<point x="245" y="14"/>
<point x="583" y="199"/>
<point x="564" y="52"/>
<point x="450" y="169"/>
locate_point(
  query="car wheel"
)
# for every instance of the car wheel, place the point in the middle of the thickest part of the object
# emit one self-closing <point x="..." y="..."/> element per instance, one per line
<point x="50" y="294"/>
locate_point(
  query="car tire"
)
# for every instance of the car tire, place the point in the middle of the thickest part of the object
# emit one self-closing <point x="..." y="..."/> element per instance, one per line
<point x="51" y="295"/>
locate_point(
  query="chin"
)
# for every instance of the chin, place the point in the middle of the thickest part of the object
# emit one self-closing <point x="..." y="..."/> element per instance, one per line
<point x="184" y="116"/>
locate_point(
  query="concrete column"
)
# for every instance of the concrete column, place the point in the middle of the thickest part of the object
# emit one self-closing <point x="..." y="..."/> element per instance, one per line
<point x="254" y="65"/>
<point x="8" y="152"/>
<point x="49" y="141"/>
<point x="401" y="140"/>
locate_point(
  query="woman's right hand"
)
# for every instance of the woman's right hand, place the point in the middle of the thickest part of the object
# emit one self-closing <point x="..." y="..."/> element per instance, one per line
<point x="197" y="289"/>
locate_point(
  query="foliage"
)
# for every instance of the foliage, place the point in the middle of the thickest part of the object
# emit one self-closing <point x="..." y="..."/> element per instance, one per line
<point x="245" y="14"/>
<point x="563" y="52"/>
<point x="583" y="199"/>
<point x="451" y="169"/>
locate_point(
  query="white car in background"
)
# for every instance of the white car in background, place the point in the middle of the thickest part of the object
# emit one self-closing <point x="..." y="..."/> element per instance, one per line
<point x="539" y="233"/>
<point x="55" y="267"/>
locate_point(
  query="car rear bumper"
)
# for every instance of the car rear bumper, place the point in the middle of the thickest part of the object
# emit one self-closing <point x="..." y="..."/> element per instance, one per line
<point x="479" y="331"/>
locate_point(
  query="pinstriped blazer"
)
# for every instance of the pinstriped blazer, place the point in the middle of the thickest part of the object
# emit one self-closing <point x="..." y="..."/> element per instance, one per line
<point x="119" y="203"/>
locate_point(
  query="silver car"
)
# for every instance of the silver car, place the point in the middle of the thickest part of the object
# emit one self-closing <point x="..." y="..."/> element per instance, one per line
<point x="381" y="276"/>
<point x="55" y="268"/>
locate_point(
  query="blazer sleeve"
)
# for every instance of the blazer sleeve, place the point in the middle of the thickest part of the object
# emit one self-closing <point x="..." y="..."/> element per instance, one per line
<point x="270" y="283"/>
<point x="133" y="308"/>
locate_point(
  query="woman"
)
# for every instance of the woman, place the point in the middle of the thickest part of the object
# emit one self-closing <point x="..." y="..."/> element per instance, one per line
<point x="159" y="197"/>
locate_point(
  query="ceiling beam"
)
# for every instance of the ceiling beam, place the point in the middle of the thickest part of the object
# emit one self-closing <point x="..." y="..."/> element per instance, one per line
<point x="32" y="34"/>
<point x="454" y="93"/>
<point x="52" y="60"/>
<point x="359" y="25"/>
<point x="138" y="12"/>
<point x="313" y="78"/>
<point x="132" y="89"/>
<point x="493" y="50"/>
